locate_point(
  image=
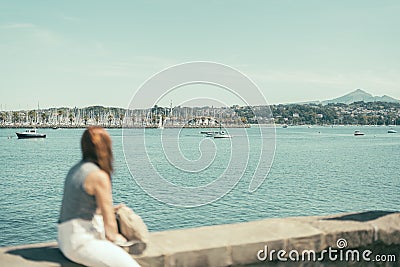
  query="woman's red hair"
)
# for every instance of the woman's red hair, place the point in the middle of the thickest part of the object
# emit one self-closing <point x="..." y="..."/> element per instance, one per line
<point x="97" y="148"/>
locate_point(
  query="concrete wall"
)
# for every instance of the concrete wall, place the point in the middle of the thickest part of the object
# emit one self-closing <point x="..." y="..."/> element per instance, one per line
<point x="238" y="244"/>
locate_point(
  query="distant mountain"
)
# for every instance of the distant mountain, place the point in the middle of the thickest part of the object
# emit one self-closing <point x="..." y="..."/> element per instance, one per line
<point x="360" y="95"/>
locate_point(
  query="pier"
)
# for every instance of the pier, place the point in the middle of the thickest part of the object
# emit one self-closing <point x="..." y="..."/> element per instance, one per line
<point x="244" y="244"/>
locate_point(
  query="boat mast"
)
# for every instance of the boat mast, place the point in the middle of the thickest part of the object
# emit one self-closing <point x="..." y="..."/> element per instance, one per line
<point x="37" y="113"/>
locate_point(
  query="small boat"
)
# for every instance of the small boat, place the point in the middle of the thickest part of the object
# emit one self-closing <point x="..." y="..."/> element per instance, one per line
<point x="284" y="126"/>
<point x="392" y="131"/>
<point x="208" y="132"/>
<point x="30" y="133"/>
<point x="357" y="133"/>
<point x="222" y="134"/>
<point x="160" y="123"/>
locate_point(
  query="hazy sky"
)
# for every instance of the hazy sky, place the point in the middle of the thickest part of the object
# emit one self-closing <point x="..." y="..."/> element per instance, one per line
<point x="81" y="53"/>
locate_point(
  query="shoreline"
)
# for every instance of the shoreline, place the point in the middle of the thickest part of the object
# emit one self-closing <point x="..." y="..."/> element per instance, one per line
<point x="116" y="127"/>
<point x="55" y="127"/>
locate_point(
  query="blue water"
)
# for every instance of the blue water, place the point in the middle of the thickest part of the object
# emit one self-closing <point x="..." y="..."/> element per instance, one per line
<point x="316" y="171"/>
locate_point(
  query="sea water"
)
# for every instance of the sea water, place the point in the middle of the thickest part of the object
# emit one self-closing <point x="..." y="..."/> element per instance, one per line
<point x="316" y="171"/>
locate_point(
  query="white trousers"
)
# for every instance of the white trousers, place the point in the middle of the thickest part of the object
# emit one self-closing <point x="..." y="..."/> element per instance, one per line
<point x="84" y="242"/>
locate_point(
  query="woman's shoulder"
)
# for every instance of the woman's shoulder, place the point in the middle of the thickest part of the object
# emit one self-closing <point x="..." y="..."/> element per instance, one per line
<point x="95" y="180"/>
<point x="83" y="168"/>
<point x="99" y="174"/>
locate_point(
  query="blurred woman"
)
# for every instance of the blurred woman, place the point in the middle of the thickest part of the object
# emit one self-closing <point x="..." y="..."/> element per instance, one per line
<point x="87" y="229"/>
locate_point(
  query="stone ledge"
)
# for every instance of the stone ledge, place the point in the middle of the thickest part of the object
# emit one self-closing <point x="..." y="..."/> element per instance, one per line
<point x="238" y="244"/>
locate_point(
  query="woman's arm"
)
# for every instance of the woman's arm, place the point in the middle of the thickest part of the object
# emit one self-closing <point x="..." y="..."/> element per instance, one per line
<point x="98" y="184"/>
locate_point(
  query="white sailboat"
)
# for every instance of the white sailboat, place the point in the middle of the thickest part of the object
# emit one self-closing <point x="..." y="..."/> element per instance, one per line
<point x="391" y="130"/>
<point x="222" y="134"/>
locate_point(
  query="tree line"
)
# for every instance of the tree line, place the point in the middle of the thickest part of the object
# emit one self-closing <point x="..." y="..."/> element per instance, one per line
<point x="357" y="113"/>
